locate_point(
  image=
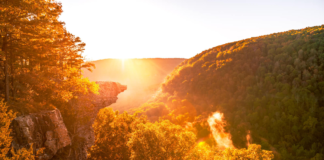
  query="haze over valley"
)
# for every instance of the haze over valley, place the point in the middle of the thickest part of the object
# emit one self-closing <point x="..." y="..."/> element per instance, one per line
<point x="143" y="77"/>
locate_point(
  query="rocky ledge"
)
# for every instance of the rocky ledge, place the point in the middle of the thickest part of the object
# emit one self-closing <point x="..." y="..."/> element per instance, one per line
<point x="47" y="129"/>
<point x="43" y="130"/>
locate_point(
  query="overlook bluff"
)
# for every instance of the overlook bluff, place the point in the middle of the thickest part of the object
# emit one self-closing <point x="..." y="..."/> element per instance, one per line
<point x="49" y="130"/>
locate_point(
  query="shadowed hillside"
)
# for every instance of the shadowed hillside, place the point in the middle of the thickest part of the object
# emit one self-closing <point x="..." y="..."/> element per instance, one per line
<point x="142" y="77"/>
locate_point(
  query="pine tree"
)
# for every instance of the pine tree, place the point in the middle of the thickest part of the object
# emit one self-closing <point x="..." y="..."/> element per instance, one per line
<point x="39" y="56"/>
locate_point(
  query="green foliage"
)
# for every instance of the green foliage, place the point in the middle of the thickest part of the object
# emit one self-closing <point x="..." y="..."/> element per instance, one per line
<point x="178" y="112"/>
<point x="271" y="85"/>
<point x="253" y="152"/>
<point x="160" y="140"/>
<point x="205" y="152"/>
<point x="153" y="110"/>
<point x="123" y="136"/>
<point x="112" y="132"/>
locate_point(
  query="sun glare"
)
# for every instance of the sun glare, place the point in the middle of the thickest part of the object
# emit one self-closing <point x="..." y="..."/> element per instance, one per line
<point x="218" y="116"/>
<point x="216" y="125"/>
<point x="123" y="63"/>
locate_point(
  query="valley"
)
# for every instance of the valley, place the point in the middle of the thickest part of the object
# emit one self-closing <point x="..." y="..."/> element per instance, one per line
<point x="143" y="78"/>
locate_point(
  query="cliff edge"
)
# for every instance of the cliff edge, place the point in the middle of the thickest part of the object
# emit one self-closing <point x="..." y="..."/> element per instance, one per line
<point x="48" y="130"/>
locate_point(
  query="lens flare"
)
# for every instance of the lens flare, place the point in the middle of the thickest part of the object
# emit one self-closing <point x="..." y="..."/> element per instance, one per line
<point x="216" y="125"/>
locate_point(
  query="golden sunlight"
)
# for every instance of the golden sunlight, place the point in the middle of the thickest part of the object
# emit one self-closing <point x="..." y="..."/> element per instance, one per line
<point x="123" y="63"/>
<point x="218" y="116"/>
<point x="216" y="125"/>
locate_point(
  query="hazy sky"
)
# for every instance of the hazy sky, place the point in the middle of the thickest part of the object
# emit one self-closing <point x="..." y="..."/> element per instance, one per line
<point x="179" y="28"/>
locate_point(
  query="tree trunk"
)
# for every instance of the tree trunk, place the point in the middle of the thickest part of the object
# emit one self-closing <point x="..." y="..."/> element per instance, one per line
<point x="12" y="75"/>
<point x="4" y="49"/>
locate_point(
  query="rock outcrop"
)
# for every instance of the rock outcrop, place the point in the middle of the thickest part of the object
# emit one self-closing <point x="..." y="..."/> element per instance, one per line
<point x="43" y="130"/>
<point x="69" y="140"/>
<point x="88" y="107"/>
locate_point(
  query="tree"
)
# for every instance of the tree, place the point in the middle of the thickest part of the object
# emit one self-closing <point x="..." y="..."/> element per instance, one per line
<point x="260" y="84"/>
<point x="112" y="132"/>
<point x="42" y="61"/>
<point x="27" y="30"/>
<point x="205" y="152"/>
<point x="160" y="140"/>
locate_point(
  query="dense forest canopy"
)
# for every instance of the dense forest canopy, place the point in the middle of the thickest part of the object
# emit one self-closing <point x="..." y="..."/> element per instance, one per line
<point x="269" y="86"/>
<point x="124" y="136"/>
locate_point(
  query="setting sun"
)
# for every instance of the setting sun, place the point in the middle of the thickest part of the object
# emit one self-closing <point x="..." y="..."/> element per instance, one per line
<point x="123" y="63"/>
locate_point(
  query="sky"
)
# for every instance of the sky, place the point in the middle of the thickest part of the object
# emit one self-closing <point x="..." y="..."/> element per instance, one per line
<point x="179" y="28"/>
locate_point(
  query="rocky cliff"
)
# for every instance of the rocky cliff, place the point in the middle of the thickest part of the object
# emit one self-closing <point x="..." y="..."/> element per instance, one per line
<point x="43" y="130"/>
<point x="48" y="130"/>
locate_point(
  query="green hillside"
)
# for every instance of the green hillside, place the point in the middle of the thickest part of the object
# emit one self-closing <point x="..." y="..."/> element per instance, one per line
<point x="272" y="86"/>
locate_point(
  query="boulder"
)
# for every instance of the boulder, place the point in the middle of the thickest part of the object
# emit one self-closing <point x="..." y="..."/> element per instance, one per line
<point x="44" y="130"/>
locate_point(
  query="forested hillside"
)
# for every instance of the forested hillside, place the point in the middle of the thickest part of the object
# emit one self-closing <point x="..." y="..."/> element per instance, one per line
<point x="143" y="77"/>
<point x="270" y="86"/>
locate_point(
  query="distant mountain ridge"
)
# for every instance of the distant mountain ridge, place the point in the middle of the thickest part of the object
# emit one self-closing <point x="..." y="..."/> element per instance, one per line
<point x="142" y="77"/>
